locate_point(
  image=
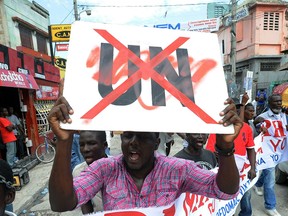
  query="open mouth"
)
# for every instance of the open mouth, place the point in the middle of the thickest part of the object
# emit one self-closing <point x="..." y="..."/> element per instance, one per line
<point x="199" y="144"/>
<point x="134" y="156"/>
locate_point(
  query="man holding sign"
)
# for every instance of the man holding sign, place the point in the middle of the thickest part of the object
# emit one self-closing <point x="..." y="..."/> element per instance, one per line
<point x="132" y="79"/>
<point x="138" y="178"/>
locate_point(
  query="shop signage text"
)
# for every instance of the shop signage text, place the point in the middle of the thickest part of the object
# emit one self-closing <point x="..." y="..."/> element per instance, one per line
<point x="60" y="62"/>
<point x="240" y="14"/>
<point x="60" y="32"/>
<point x="12" y="60"/>
<point x="62" y="47"/>
<point x="17" y="80"/>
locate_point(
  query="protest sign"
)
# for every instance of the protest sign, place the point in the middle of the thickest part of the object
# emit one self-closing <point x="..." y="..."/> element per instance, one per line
<point x="136" y="78"/>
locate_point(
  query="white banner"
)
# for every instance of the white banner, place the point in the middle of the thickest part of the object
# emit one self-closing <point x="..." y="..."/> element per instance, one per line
<point x="207" y="25"/>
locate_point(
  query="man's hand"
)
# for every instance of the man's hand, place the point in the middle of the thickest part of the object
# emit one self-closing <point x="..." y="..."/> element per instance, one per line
<point x="245" y="99"/>
<point x="61" y="112"/>
<point x="230" y="116"/>
<point x="251" y="174"/>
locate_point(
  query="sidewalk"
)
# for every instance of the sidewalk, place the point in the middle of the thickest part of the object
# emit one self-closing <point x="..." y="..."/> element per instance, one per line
<point x="29" y="193"/>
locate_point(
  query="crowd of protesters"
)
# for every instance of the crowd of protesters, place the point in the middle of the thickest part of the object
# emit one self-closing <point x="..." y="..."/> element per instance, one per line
<point x="124" y="181"/>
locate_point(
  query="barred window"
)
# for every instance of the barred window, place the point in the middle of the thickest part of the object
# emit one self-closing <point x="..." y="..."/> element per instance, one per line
<point x="271" y="21"/>
<point x="269" y="66"/>
<point x="42" y="110"/>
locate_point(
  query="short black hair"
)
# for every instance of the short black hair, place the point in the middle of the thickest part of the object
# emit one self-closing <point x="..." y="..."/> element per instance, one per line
<point x="6" y="174"/>
<point x="248" y="105"/>
<point x="100" y="134"/>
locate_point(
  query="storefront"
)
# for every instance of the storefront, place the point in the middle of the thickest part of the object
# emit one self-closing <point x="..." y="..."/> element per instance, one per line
<point x="30" y="86"/>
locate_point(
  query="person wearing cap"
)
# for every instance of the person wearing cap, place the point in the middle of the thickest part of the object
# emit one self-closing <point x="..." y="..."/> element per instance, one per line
<point x="7" y="191"/>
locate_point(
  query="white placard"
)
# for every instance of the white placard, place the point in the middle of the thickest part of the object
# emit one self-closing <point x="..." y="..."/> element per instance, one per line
<point x="144" y="79"/>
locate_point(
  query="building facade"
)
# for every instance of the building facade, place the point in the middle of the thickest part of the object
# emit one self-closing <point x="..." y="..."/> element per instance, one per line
<point x="215" y="10"/>
<point x="29" y="82"/>
<point x="261" y="39"/>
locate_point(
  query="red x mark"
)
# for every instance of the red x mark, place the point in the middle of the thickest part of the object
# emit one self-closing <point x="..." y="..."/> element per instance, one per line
<point x="145" y="70"/>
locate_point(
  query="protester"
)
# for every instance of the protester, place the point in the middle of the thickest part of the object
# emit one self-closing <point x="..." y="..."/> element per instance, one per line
<point x="249" y="112"/>
<point x="76" y="156"/>
<point x="138" y="178"/>
<point x="195" y="151"/>
<point x="7" y="191"/>
<point x="244" y="148"/>
<point x="166" y="141"/>
<point x="18" y="132"/>
<point x="92" y="146"/>
<point x="262" y="97"/>
<point x="274" y="125"/>
<point x="109" y="135"/>
<point x="9" y="139"/>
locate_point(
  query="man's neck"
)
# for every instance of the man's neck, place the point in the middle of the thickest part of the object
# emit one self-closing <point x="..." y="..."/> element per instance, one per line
<point x="139" y="176"/>
<point x="193" y="151"/>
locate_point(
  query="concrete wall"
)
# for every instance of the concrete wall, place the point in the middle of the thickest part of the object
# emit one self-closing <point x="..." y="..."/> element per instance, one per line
<point x="23" y="10"/>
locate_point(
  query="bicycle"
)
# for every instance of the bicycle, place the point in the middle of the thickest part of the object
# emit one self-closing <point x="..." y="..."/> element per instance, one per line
<point x="45" y="152"/>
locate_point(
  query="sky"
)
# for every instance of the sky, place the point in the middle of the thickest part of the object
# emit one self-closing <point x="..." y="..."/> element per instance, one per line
<point x="132" y="12"/>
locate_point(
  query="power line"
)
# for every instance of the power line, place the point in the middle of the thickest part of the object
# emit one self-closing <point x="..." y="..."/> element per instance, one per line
<point x="66" y="16"/>
<point x="156" y="5"/>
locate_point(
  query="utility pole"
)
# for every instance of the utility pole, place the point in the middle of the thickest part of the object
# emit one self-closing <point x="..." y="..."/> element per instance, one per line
<point x="75" y="9"/>
<point x="233" y="40"/>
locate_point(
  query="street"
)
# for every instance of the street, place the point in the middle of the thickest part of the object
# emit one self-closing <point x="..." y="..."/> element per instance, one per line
<point x="32" y="199"/>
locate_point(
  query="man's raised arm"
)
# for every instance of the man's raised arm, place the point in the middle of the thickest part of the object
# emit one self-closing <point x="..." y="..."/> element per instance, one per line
<point x="61" y="192"/>
<point x="228" y="174"/>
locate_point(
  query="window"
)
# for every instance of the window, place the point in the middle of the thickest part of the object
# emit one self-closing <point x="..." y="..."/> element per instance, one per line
<point x="269" y="66"/>
<point x="271" y="21"/>
<point x="41" y="43"/>
<point x="26" y="37"/>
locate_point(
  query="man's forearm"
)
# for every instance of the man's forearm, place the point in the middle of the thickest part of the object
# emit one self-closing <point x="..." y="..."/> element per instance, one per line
<point x="62" y="196"/>
<point x="228" y="174"/>
<point x="252" y="158"/>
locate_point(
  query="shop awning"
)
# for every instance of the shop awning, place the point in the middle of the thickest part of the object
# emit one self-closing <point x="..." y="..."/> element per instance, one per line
<point x="17" y="80"/>
<point x="282" y="89"/>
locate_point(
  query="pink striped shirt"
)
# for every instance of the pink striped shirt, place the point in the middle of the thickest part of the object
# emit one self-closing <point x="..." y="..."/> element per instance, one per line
<point x="165" y="183"/>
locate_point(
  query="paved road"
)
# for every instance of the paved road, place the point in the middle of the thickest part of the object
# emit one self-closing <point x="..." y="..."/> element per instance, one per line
<point x="33" y="198"/>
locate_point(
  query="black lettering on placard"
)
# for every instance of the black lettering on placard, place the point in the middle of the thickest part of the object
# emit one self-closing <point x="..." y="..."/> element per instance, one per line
<point x="181" y="80"/>
<point x="105" y="75"/>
